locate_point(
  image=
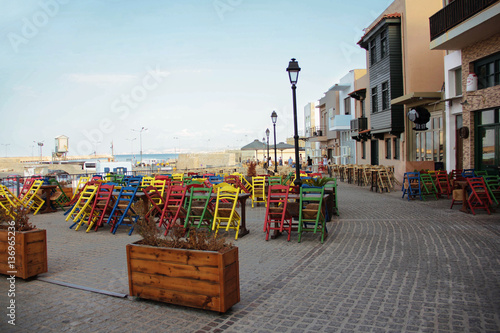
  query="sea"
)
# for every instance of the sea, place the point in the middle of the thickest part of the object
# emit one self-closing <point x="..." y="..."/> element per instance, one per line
<point x="146" y="157"/>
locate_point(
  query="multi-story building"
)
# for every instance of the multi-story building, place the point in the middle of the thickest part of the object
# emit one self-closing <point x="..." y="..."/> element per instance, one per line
<point x="404" y="74"/>
<point x="470" y="32"/>
<point x="340" y="121"/>
<point x="359" y="125"/>
<point x="311" y="129"/>
<point x="328" y="141"/>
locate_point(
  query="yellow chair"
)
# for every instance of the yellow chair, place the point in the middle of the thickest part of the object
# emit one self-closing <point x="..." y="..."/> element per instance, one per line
<point x="178" y="177"/>
<point x="8" y="201"/>
<point x="225" y="215"/>
<point x="258" y="189"/>
<point x="81" y="210"/>
<point x="81" y="183"/>
<point x="32" y="199"/>
<point x="147" y="181"/>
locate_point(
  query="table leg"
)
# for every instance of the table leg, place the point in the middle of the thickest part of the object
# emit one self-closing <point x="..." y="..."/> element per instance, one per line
<point x="465" y="205"/>
<point x="243" y="226"/>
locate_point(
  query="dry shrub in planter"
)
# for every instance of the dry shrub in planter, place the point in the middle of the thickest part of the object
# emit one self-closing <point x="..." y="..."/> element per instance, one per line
<point x="23" y="247"/>
<point x="200" y="270"/>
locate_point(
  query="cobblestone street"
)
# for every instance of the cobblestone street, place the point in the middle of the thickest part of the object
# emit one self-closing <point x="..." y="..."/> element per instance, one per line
<point x="387" y="265"/>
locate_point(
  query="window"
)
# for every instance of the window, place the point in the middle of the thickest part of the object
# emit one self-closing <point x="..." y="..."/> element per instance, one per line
<point x="373" y="52"/>
<point x="363" y="150"/>
<point x="396" y="142"/>
<point x="488" y="71"/>
<point x="458" y="81"/>
<point x="386" y="103"/>
<point x="374" y="100"/>
<point x="388" y="144"/>
<point x="430" y="144"/>
<point x="347" y="105"/>
<point x="363" y="108"/>
<point x="383" y="44"/>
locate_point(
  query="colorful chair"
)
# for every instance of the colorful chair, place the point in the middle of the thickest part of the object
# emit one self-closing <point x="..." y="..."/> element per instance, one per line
<point x="443" y="183"/>
<point x="225" y="215"/>
<point x="311" y="217"/>
<point x="8" y="201"/>
<point x="32" y="200"/>
<point x="200" y="212"/>
<point x="411" y="185"/>
<point x="258" y="190"/>
<point x="427" y="186"/>
<point x="101" y="207"/>
<point x="277" y="217"/>
<point x="82" y="208"/>
<point x="173" y="209"/>
<point x="479" y="196"/>
<point x="123" y="209"/>
<point x="493" y="185"/>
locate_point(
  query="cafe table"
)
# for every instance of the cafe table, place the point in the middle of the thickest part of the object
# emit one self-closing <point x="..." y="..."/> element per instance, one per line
<point x="46" y="194"/>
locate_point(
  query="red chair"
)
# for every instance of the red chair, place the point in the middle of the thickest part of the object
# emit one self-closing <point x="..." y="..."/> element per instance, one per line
<point x="156" y="202"/>
<point x="26" y="187"/>
<point x="173" y="209"/>
<point x="479" y="196"/>
<point x="277" y="217"/>
<point x="443" y="183"/>
<point x="102" y="206"/>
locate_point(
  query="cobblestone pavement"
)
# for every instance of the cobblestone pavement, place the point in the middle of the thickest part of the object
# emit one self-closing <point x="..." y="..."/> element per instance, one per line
<point x="388" y="265"/>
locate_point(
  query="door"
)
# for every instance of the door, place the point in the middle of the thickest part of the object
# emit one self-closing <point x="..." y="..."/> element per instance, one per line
<point x="374" y="152"/>
<point x="459" y="151"/>
<point x="489" y="149"/>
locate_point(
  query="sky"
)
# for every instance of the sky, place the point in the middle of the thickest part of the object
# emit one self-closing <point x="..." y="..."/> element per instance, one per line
<point x="176" y="76"/>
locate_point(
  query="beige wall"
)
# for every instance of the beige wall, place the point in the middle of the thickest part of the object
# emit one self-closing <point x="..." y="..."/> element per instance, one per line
<point x="490" y="96"/>
<point x="424" y="68"/>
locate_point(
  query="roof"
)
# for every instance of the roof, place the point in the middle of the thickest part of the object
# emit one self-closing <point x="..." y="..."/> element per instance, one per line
<point x="358" y="94"/>
<point x="254" y="145"/>
<point x="373" y="28"/>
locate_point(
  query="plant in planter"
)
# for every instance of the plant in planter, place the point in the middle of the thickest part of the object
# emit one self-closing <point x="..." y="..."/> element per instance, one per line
<point x="23" y="247"/>
<point x="201" y="271"/>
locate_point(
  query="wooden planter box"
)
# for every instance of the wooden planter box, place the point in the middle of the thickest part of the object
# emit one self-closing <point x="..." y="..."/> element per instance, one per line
<point x="30" y="253"/>
<point x="201" y="279"/>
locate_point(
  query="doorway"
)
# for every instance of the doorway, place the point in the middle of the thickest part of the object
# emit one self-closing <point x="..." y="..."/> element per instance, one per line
<point x="374" y="152"/>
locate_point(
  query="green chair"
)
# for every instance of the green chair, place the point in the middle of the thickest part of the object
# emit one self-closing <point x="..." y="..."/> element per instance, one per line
<point x="311" y="217"/>
<point x="274" y="180"/>
<point x="58" y="197"/>
<point x="493" y="185"/>
<point x="200" y="214"/>
<point x="332" y="184"/>
<point x="428" y="186"/>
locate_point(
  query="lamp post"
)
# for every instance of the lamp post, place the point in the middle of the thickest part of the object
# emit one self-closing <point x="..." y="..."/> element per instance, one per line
<point x="293" y="73"/>
<point x="140" y="137"/>
<point x="274" y="118"/>
<point x="132" y="147"/>
<point x="40" y="144"/>
<point x="267" y="135"/>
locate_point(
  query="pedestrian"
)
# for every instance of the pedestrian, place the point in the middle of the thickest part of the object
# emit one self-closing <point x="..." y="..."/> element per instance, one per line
<point x="280" y="161"/>
<point x="309" y="163"/>
<point x="290" y="162"/>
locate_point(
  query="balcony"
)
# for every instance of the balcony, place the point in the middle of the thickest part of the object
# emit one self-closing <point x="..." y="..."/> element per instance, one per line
<point x="341" y="122"/>
<point x="358" y="125"/>
<point x="462" y="22"/>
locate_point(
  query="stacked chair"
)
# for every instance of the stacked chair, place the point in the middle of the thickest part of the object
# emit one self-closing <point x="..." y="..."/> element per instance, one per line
<point x="277" y="217"/>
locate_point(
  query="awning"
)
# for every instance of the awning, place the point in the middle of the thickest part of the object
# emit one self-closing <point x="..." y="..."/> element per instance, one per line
<point x="364" y="131"/>
<point x="417" y="98"/>
<point x="358" y="94"/>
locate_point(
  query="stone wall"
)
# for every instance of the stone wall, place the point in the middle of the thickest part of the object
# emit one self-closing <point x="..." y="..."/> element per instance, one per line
<point x="478" y="100"/>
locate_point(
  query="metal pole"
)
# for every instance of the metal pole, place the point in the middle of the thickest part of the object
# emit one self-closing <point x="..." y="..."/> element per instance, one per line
<point x="297" y="181"/>
<point x="267" y="162"/>
<point x="275" y="156"/>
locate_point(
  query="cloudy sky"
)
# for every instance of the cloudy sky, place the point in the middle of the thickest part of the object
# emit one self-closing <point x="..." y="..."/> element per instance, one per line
<point x="197" y="75"/>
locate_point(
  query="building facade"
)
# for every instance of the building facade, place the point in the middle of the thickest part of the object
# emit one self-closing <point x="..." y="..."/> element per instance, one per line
<point x="404" y="74"/>
<point x="470" y="32"/>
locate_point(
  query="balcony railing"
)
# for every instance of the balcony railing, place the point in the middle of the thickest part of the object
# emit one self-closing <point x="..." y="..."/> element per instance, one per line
<point x="359" y="124"/>
<point x="455" y="13"/>
<point x="317" y="131"/>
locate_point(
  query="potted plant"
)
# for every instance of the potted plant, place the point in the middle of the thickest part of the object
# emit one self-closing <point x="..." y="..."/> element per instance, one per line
<point x="200" y="271"/>
<point x="23" y="247"/>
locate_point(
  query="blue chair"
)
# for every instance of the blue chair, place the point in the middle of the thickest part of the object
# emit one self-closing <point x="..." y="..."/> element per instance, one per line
<point x="411" y="185"/>
<point x="122" y="209"/>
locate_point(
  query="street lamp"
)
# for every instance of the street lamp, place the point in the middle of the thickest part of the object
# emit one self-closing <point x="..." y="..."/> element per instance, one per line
<point x="140" y="137"/>
<point x="274" y="118"/>
<point x="40" y="144"/>
<point x="267" y="162"/>
<point x="293" y="73"/>
<point x="132" y="147"/>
